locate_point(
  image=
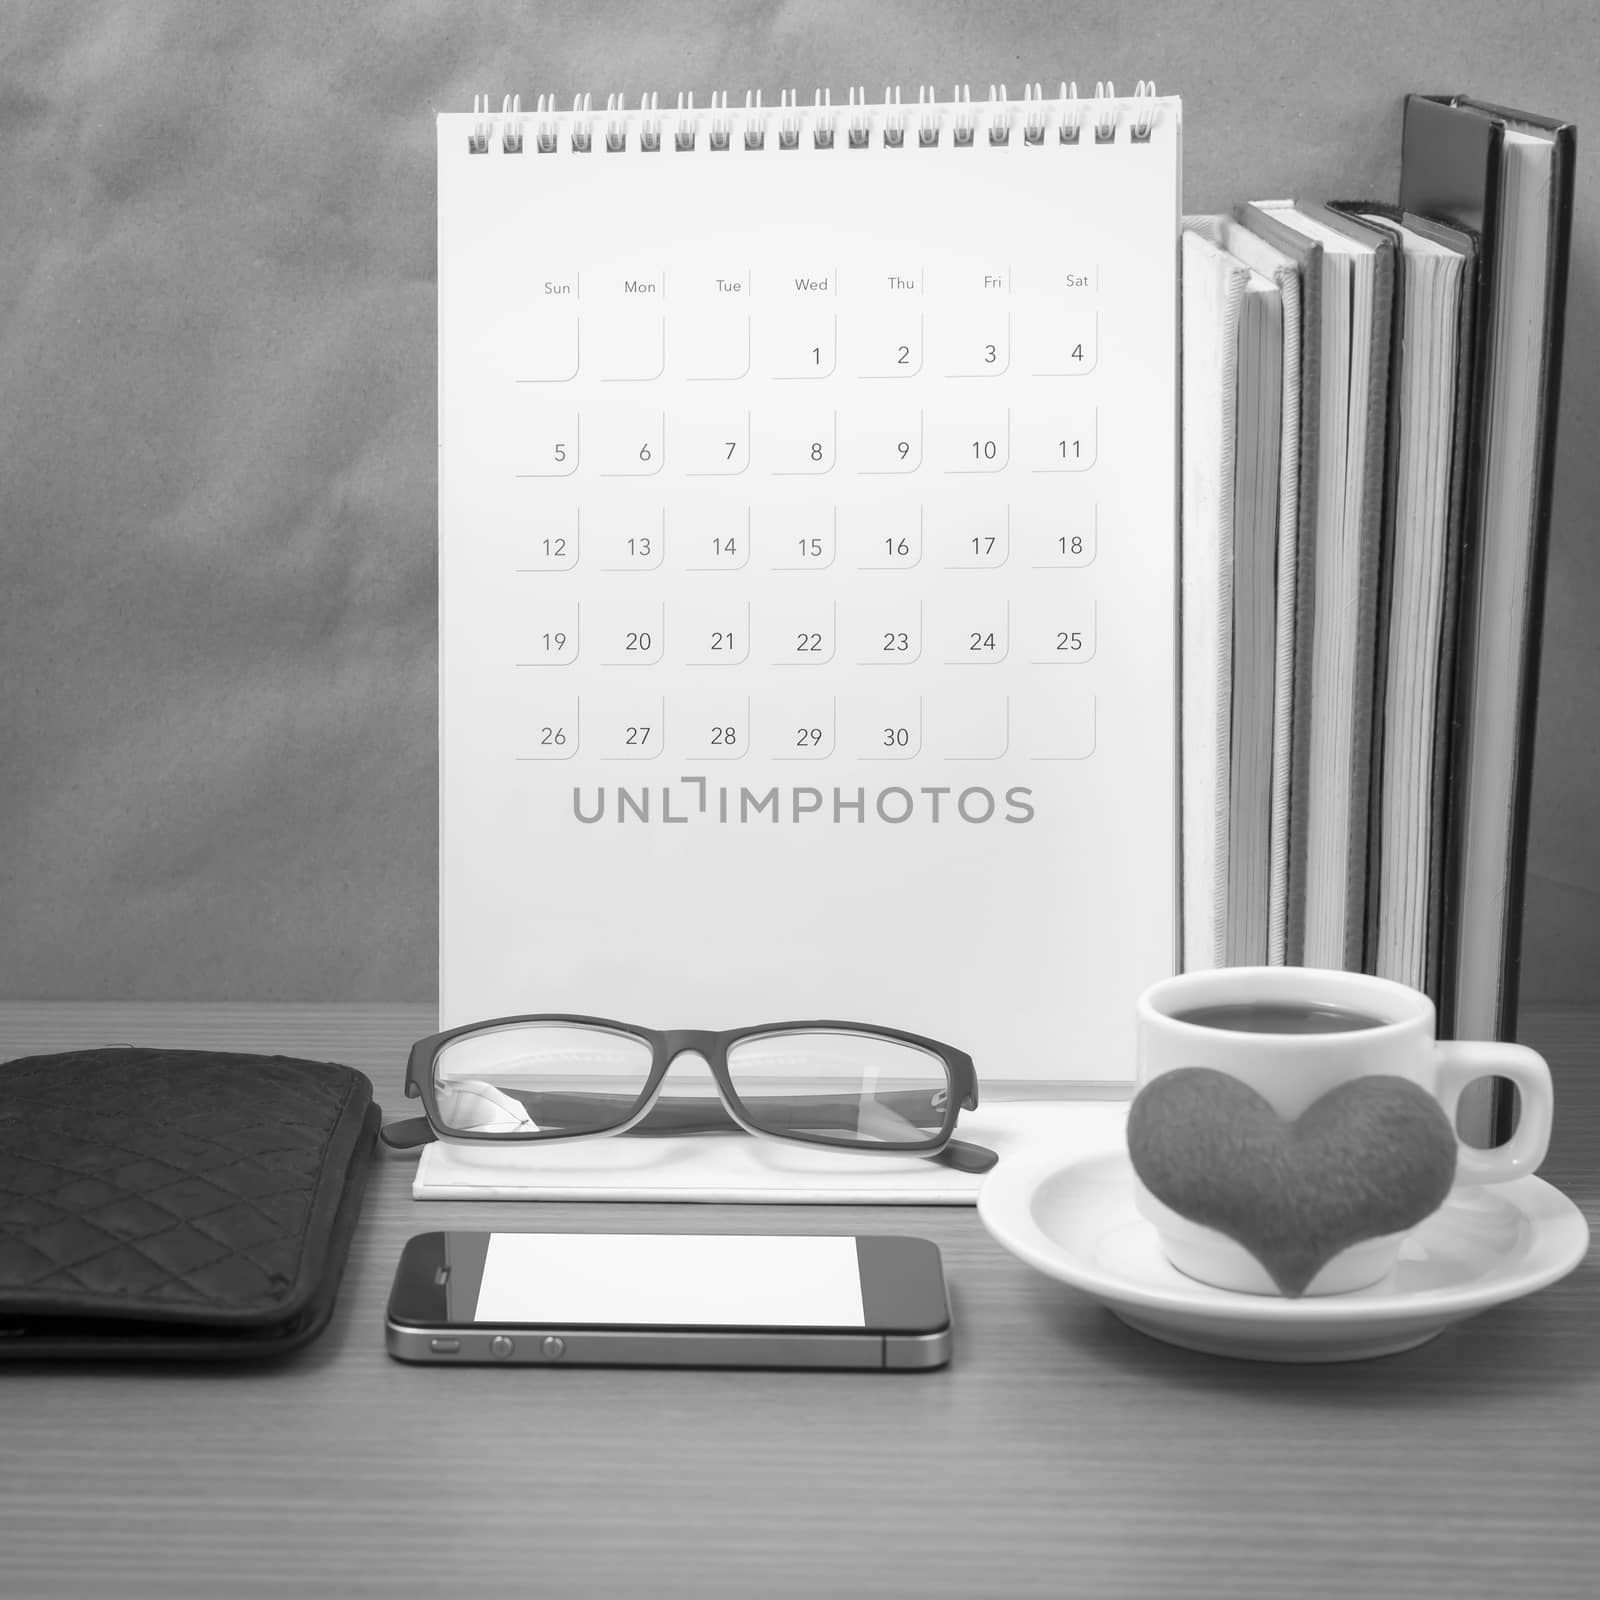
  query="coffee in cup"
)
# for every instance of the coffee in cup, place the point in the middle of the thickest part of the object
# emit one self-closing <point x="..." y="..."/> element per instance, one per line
<point x="1277" y="1016"/>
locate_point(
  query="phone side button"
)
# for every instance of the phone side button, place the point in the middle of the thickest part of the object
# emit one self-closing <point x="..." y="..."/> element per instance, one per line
<point x="552" y="1348"/>
<point x="444" y="1347"/>
<point x="500" y="1347"/>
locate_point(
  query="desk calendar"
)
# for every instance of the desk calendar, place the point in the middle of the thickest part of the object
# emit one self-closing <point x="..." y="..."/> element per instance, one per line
<point x="807" y="541"/>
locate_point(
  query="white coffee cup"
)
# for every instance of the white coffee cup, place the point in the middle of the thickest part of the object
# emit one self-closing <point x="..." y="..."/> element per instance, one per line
<point x="1292" y="1070"/>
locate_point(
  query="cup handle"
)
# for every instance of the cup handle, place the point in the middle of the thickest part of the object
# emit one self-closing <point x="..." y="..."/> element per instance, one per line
<point x="1461" y="1062"/>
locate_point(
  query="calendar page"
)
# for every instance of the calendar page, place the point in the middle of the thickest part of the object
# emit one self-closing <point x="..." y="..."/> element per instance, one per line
<point x="807" y="537"/>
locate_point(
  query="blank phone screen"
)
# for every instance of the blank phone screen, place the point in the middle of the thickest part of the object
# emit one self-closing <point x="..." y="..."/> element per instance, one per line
<point x="670" y="1280"/>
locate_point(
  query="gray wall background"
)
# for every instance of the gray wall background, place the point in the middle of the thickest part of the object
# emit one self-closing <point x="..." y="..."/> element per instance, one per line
<point x="217" y="737"/>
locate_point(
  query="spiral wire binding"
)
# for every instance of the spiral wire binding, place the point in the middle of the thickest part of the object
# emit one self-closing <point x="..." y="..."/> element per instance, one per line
<point x="1105" y="121"/>
<point x="1144" y="116"/>
<point x="788" y="120"/>
<point x="545" y="127"/>
<point x="959" y="119"/>
<point x="894" y="119"/>
<point x="965" y="123"/>
<point x="1000" y="123"/>
<point x="478" y="138"/>
<point x="1071" y="114"/>
<point x="582" y="124"/>
<point x="1033" y="114"/>
<point x="511" y="125"/>
<point x="721" y="122"/>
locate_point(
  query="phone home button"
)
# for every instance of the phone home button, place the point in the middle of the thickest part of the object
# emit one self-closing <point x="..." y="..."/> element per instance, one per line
<point x="552" y="1348"/>
<point x="500" y="1347"/>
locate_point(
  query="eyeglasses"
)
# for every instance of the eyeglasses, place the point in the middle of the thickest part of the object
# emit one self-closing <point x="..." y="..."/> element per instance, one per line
<point x="843" y="1085"/>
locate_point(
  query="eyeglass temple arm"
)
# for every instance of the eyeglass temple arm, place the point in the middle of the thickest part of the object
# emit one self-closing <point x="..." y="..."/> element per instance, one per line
<point x="966" y="1157"/>
<point x="408" y="1134"/>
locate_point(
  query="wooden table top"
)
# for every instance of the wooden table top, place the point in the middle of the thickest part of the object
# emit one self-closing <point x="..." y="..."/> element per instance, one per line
<point x="1059" y="1453"/>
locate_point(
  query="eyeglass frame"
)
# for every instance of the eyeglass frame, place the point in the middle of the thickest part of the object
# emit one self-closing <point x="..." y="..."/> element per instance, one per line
<point x="712" y="1046"/>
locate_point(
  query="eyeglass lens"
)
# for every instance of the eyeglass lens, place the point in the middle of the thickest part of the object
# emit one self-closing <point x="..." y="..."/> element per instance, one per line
<point x="539" y="1078"/>
<point x="851" y="1087"/>
<point x="558" y="1078"/>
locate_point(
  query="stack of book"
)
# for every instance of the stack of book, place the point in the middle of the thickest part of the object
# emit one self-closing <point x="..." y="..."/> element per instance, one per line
<point x="1369" y="403"/>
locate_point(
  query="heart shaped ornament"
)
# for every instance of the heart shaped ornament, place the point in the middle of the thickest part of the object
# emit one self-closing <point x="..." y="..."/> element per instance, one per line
<point x="1373" y="1156"/>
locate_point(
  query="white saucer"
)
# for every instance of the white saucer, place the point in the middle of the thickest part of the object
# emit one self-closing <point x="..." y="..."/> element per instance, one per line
<point x="1075" y="1220"/>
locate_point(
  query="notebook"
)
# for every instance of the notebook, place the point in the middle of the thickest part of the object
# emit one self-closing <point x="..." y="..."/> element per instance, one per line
<point x="807" y="564"/>
<point x="1295" y="263"/>
<point x="1328" y="926"/>
<point x="1281" y="270"/>
<point x="1430" y="400"/>
<point x="1508" y="177"/>
<point x="1257" y="487"/>
<point x="1233" y="376"/>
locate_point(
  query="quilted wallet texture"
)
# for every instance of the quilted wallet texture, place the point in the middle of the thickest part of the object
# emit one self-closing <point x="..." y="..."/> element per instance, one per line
<point x="176" y="1203"/>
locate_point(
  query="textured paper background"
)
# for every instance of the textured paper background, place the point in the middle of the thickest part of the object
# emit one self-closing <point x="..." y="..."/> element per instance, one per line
<point x="217" y="740"/>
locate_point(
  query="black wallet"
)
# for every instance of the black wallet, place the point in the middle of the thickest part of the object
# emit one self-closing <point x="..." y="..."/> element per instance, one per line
<point x="176" y="1204"/>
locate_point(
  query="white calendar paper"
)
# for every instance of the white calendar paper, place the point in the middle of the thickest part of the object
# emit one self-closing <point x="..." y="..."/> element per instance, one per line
<point x="807" y="539"/>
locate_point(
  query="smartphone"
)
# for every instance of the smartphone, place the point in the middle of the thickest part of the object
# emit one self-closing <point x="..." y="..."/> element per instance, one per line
<point x="670" y="1299"/>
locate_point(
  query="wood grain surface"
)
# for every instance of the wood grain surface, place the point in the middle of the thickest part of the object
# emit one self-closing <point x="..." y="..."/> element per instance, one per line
<point x="1059" y="1454"/>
